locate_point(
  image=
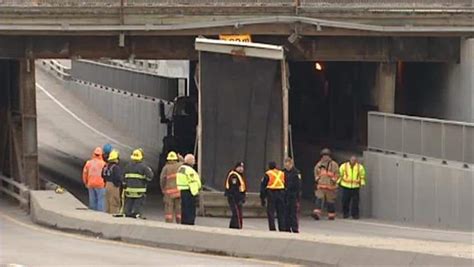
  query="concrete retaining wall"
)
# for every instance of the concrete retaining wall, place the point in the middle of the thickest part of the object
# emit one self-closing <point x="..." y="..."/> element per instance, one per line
<point x="426" y="193"/>
<point x="64" y="212"/>
<point x="137" y="117"/>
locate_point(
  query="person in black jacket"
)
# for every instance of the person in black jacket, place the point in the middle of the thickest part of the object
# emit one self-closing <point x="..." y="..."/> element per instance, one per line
<point x="293" y="189"/>
<point x="113" y="176"/>
<point x="235" y="189"/>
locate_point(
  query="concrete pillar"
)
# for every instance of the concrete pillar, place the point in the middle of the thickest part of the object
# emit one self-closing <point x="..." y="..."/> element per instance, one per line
<point x="385" y="82"/>
<point x="29" y="136"/>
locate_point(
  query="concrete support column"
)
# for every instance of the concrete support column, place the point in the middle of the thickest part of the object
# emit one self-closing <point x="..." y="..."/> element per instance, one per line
<point x="385" y="82"/>
<point x="27" y="87"/>
<point x="18" y="132"/>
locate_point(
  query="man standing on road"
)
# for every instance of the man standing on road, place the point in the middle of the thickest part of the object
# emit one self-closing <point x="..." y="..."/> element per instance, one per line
<point x="189" y="184"/>
<point x="351" y="179"/>
<point x="326" y="174"/>
<point x="272" y="189"/>
<point x="171" y="194"/>
<point x="113" y="176"/>
<point x="137" y="177"/>
<point x="235" y="189"/>
<point x="293" y="189"/>
<point x="92" y="178"/>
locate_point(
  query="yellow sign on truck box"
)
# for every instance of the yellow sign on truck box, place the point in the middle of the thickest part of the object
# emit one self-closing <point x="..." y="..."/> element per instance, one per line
<point x="245" y="38"/>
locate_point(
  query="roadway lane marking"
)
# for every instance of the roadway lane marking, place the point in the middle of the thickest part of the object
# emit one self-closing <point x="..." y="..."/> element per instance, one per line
<point x="130" y="245"/>
<point x="48" y="94"/>
<point x="408" y="227"/>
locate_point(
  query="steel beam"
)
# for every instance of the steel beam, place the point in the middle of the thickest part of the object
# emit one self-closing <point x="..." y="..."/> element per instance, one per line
<point x="330" y="48"/>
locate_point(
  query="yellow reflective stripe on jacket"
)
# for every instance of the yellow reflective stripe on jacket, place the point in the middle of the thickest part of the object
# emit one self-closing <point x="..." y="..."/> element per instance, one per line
<point x="134" y="176"/>
<point x="276" y="179"/>
<point x="135" y="190"/>
<point x="242" y="187"/>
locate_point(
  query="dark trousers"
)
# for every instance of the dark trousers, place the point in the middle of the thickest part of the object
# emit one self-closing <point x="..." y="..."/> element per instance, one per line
<point x="350" y="198"/>
<point x="188" y="207"/>
<point x="133" y="206"/>
<point x="235" y="205"/>
<point x="276" y="204"/>
<point x="293" y="207"/>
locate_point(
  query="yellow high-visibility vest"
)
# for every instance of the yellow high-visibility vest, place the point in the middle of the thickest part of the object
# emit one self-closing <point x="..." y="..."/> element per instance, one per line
<point x="242" y="187"/>
<point x="351" y="177"/>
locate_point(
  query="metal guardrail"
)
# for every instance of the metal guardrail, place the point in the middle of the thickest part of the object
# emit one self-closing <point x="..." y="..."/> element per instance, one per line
<point x="16" y="190"/>
<point x="61" y="71"/>
<point x="388" y="3"/>
<point x="431" y="138"/>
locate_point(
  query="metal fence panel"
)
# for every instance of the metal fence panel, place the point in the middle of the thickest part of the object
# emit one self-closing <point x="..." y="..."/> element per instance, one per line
<point x="394" y="140"/>
<point x="412" y="137"/>
<point x="442" y="139"/>
<point x="432" y="140"/>
<point x="453" y="136"/>
<point x="468" y="145"/>
<point x="376" y="125"/>
<point x="125" y="79"/>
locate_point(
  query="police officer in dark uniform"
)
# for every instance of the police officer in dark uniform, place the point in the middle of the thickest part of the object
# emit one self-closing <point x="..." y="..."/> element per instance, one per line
<point x="235" y="189"/>
<point x="272" y="189"/>
<point x="293" y="189"/>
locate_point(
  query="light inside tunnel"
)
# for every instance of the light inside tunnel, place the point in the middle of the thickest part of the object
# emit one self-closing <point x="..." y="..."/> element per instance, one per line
<point x="318" y="66"/>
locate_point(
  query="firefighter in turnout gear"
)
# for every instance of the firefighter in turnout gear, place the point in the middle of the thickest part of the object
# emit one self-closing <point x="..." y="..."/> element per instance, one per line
<point x="272" y="193"/>
<point x="171" y="194"/>
<point x="351" y="179"/>
<point x="235" y="189"/>
<point x="293" y="189"/>
<point x="137" y="175"/>
<point x="189" y="184"/>
<point x="326" y="174"/>
<point x="113" y="176"/>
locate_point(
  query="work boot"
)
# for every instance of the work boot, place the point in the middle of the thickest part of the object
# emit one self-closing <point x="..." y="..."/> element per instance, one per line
<point x="346" y="216"/>
<point x="315" y="216"/>
<point x="331" y="218"/>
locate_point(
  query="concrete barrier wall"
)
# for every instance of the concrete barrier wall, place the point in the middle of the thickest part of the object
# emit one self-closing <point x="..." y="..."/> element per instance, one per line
<point x="426" y="193"/>
<point x="125" y="79"/>
<point x="137" y="117"/>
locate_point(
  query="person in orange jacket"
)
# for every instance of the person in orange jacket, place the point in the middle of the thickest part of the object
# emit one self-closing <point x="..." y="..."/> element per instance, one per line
<point x="92" y="178"/>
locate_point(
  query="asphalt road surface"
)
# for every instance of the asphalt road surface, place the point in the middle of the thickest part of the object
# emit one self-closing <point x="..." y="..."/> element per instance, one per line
<point x="25" y="244"/>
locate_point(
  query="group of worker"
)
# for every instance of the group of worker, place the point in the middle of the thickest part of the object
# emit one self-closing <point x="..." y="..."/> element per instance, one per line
<point x="122" y="192"/>
<point x="280" y="190"/>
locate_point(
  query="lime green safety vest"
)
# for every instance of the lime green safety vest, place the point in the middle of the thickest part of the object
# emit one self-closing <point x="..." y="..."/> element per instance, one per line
<point x="188" y="179"/>
<point x="351" y="177"/>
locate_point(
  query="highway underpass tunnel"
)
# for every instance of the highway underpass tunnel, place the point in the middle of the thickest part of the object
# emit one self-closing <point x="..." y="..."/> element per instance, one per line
<point x="329" y="101"/>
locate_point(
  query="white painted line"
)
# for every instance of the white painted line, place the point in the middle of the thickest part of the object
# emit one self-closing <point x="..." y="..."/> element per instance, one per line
<point x="409" y="227"/>
<point x="80" y="120"/>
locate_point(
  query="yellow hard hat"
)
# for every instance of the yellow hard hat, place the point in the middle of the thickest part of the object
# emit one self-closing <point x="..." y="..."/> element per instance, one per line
<point x="114" y="155"/>
<point x="172" y="156"/>
<point x="137" y="155"/>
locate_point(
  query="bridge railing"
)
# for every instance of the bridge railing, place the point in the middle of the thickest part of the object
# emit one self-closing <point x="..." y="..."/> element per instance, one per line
<point x="431" y="138"/>
<point x="60" y="70"/>
<point x="15" y="190"/>
<point x="301" y="3"/>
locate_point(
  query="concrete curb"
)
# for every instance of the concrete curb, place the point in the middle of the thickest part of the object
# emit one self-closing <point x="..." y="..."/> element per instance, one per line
<point x="63" y="211"/>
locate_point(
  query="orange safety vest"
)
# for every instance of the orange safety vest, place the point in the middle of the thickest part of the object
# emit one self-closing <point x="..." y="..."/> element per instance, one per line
<point x="276" y="179"/>
<point x="92" y="173"/>
<point x="242" y="187"/>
